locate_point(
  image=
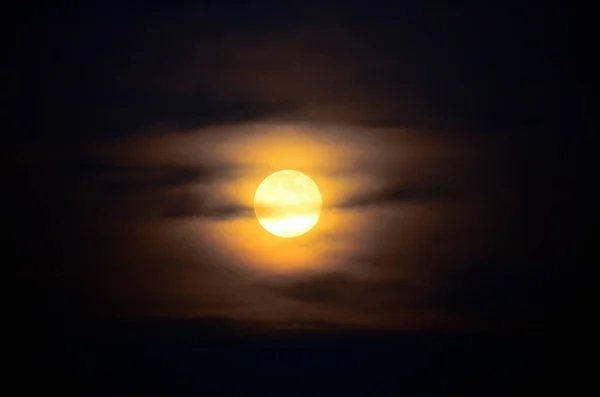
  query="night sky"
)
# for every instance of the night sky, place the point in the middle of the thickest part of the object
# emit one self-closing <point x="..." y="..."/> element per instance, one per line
<point x="441" y="137"/>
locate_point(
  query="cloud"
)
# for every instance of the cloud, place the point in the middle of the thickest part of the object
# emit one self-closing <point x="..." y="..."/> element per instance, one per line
<point x="399" y="193"/>
<point x="105" y="176"/>
<point x="134" y="178"/>
<point x="98" y="189"/>
<point x="170" y="191"/>
<point x="316" y="74"/>
<point x="342" y="291"/>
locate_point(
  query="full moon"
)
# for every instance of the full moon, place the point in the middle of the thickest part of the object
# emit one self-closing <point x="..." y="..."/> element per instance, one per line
<point x="288" y="203"/>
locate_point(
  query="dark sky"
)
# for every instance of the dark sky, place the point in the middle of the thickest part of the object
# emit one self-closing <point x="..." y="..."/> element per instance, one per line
<point x="131" y="68"/>
<point x="440" y="137"/>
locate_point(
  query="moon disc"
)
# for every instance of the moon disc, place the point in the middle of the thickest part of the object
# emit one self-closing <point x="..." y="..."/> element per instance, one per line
<point x="288" y="203"/>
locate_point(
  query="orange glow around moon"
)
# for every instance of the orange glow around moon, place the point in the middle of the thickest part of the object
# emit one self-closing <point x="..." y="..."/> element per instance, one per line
<point x="288" y="203"/>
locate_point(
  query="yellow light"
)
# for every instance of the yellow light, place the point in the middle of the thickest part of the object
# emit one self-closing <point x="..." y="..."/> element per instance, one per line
<point x="288" y="203"/>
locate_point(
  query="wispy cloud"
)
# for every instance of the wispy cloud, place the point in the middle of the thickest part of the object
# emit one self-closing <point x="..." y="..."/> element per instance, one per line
<point x="342" y="291"/>
<point x="399" y="194"/>
<point x="125" y="191"/>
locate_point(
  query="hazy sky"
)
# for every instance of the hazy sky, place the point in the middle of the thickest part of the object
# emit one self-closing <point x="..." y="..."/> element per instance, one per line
<point x="432" y="132"/>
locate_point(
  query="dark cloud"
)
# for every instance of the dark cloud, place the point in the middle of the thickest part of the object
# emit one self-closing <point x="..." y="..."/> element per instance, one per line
<point x="108" y="176"/>
<point x="400" y="194"/>
<point x="173" y="191"/>
<point x="144" y="194"/>
<point x="125" y="179"/>
<point x="84" y="187"/>
<point x="341" y="291"/>
<point x="316" y="74"/>
<point x="169" y="191"/>
<point x="168" y="204"/>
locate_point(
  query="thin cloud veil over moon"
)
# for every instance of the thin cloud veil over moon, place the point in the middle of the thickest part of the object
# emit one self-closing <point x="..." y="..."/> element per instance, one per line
<point x="187" y="197"/>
